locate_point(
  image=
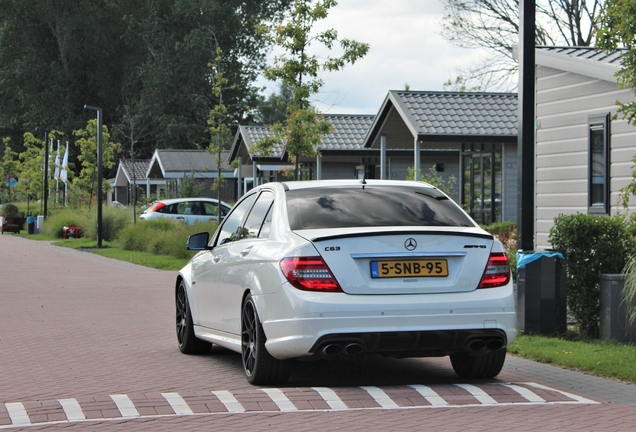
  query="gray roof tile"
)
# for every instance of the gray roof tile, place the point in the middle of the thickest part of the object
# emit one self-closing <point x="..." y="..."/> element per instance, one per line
<point x="348" y="133"/>
<point x="587" y="53"/>
<point x="190" y="160"/>
<point x="459" y="113"/>
<point x="138" y="168"/>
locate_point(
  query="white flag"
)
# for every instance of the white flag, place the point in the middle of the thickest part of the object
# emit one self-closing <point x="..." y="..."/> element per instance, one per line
<point x="64" y="173"/>
<point x="57" y="162"/>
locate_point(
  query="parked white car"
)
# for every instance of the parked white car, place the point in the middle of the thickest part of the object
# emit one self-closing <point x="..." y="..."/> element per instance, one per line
<point x="345" y="268"/>
<point x="188" y="210"/>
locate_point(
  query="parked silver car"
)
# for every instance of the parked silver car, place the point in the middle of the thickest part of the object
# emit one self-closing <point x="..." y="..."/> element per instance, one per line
<point x="188" y="210"/>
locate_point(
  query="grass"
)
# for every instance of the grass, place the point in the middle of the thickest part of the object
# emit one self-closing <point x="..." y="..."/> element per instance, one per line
<point x="603" y="358"/>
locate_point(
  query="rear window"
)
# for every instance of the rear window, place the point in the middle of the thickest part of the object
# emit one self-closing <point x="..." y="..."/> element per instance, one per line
<point x="373" y="206"/>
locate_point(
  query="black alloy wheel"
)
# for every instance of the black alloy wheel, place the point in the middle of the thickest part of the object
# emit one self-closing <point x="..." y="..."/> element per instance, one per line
<point x="188" y="342"/>
<point x="259" y="366"/>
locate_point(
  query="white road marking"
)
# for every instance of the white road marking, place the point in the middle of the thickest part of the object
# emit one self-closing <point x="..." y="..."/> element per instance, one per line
<point x="478" y="394"/>
<point x="529" y="395"/>
<point x="74" y="413"/>
<point x="125" y="406"/>
<point x="331" y="398"/>
<point x="177" y="403"/>
<point x="230" y="402"/>
<point x="579" y="399"/>
<point x="72" y="409"/>
<point x="279" y="398"/>
<point x="18" y="414"/>
<point x="381" y="397"/>
<point x="430" y="395"/>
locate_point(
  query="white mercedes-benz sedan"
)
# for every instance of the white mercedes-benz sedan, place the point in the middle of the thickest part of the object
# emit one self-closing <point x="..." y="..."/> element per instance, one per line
<point x="318" y="269"/>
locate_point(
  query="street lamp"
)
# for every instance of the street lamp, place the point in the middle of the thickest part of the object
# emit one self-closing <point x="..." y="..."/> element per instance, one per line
<point x="100" y="120"/>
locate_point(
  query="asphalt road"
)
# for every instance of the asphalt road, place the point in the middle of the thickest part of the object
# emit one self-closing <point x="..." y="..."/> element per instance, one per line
<point x="87" y="343"/>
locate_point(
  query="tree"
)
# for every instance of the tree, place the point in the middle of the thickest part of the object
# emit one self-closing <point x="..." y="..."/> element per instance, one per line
<point x="616" y="30"/>
<point x="274" y="109"/>
<point x="302" y="130"/>
<point x="217" y="122"/>
<point x="86" y="140"/>
<point x="494" y="25"/>
<point x="31" y="178"/>
<point x="9" y="168"/>
<point x="56" y="56"/>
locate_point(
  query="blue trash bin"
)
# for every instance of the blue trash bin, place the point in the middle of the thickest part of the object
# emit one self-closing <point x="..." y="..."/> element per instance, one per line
<point x="31" y="224"/>
<point x="541" y="293"/>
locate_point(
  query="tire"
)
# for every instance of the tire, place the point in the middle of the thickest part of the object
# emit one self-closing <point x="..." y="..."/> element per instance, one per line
<point x="188" y="342"/>
<point x="259" y="366"/>
<point x="482" y="366"/>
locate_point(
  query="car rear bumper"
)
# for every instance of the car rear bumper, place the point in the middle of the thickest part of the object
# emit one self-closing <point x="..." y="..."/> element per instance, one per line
<point x="399" y="325"/>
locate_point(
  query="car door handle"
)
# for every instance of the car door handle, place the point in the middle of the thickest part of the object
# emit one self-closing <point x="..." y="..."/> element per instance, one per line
<point x="246" y="251"/>
<point x="216" y="258"/>
<point x="179" y="217"/>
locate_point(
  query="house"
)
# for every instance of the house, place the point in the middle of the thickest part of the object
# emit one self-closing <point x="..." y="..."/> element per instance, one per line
<point x="174" y="166"/>
<point x="459" y="135"/>
<point x="583" y="156"/>
<point x="341" y="154"/>
<point x="466" y="135"/>
<point x="131" y="174"/>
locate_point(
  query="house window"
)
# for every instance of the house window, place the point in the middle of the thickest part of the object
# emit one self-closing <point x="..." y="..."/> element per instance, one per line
<point x="481" y="182"/>
<point x="598" y="176"/>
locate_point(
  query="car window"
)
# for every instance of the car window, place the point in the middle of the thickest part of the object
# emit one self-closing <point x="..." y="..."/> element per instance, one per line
<point x="169" y="209"/>
<point x="257" y="215"/>
<point x="210" y="209"/>
<point x="231" y="227"/>
<point x="267" y="224"/>
<point x="371" y="206"/>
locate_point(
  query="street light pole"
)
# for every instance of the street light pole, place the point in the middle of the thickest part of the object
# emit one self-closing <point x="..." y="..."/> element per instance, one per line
<point x="99" y="171"/>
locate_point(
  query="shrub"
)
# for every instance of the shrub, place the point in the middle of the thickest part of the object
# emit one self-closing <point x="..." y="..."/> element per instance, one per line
<point x="592" y="245"/>
<point x="162" y="237"/>
<point x="10" y="211"/>
<point x="113" y="221"/>
<point x="55" y="223"/>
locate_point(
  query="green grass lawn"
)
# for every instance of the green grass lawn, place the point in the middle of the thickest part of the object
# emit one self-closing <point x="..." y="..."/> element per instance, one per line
<point x="599" y="357"/>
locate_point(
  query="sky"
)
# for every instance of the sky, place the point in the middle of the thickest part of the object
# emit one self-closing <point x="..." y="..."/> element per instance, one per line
<point x="405" y="48"/>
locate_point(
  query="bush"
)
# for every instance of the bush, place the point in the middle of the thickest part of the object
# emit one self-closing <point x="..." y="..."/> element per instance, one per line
<point x="10" y="211"/>
<point x="54" y="224"/>
<point x="592" y="245"/>
<point x="162" y="237"/>
<point x="113" y="221"/>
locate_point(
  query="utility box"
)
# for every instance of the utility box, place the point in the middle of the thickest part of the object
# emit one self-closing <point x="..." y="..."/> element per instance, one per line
<point x="613" y="313"/>
<point x="541" y="293"/>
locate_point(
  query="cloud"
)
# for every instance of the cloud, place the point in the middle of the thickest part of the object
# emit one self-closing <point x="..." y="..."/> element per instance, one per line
<point x="405" y="48"/>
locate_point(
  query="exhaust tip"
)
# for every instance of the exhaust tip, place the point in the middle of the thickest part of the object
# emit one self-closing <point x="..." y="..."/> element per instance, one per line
<point x="477" y="345"/>
<point x="495" y="344"/>
<point x="332" y="349"/>
<point x="353" y="349"/>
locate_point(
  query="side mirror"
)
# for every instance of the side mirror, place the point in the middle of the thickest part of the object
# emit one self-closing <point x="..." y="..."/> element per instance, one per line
<point x="198" y="241"/>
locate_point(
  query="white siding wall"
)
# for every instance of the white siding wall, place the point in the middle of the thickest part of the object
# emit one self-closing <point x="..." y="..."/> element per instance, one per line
<point x="564" y="103"/>
<point x="510" y="175"/>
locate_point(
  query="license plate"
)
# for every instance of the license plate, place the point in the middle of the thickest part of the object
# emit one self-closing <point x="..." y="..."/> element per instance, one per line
<point x="409" y="268"/>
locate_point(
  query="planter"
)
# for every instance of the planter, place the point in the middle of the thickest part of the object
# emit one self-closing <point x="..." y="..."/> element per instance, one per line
<point x="613" y="315"/>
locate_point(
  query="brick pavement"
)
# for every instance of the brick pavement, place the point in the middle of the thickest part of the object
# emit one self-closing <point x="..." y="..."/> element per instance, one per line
<point x="79" y="327"/>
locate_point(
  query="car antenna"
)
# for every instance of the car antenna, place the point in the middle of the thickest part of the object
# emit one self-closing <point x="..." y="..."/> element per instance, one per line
<point x="363" y="182"/>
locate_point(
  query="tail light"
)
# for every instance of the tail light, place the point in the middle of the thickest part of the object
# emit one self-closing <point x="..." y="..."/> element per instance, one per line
<point x="497" y="271"/>
<point x="309" y="274"/>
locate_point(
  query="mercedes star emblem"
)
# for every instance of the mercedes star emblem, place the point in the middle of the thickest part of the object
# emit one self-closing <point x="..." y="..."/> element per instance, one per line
<point x="410" y="244"/>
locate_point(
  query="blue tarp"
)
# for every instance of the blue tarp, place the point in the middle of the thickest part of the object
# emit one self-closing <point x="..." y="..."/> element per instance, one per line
<point x="527" y="258"/>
